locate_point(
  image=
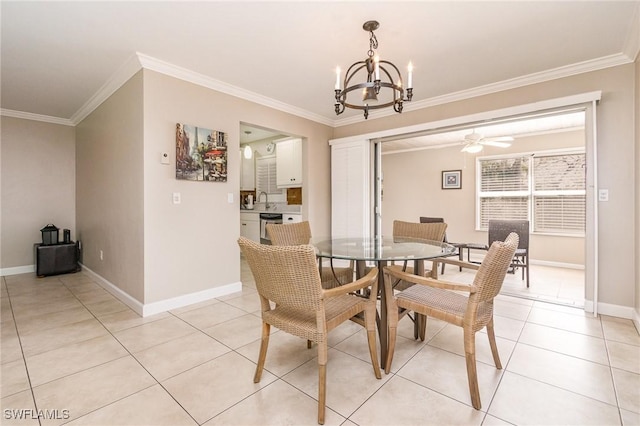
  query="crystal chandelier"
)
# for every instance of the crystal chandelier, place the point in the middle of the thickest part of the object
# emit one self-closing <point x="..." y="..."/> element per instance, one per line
<point x="382" y="79"/>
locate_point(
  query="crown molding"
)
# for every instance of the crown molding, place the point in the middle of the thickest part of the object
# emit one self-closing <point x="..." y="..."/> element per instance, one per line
<point x="35" y="117"/>
<point x="166" y="68"/>
<point x="539" y="77"/>
<point x="117" y="80"/>
<point x="138" y="61"/>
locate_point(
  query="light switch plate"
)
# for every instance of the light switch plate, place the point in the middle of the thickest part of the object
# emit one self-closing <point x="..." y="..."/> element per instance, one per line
<point x="176" y="198"/>
<point x="603" y="195"/>
<point x="230" y="197"/>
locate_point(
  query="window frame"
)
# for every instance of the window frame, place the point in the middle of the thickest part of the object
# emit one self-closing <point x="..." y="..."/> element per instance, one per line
<point x="530" y="193"/>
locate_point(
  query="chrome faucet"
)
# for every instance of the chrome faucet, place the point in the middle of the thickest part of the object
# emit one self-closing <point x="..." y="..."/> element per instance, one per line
<point x="266" y="199"/>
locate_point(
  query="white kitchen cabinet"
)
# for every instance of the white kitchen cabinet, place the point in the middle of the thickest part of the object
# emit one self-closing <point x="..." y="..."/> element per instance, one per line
<point x="250" y="226"/>
<point x="247" y="173"/>
<point x="289" y="163"/>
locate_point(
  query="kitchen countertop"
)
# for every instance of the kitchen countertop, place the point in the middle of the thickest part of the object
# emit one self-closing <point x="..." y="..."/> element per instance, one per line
<point x="284" y="209"/>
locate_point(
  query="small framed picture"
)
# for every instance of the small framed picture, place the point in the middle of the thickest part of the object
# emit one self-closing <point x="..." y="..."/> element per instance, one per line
<point x="452" y="179"/>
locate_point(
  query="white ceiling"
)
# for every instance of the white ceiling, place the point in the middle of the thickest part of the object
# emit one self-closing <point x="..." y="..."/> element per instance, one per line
<point x="60" y="59"/>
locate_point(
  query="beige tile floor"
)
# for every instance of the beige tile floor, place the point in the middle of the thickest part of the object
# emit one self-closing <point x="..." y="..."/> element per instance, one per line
<point x="74" y="354"/>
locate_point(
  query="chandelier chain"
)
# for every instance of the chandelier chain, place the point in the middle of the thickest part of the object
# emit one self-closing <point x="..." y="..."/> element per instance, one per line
<point x="373" y="44"/>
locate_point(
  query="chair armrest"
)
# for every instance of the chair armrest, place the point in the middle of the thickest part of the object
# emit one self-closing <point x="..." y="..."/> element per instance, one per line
<point x="476" y="246"/>
<point x="459" y="263"/>
<point x="396" y="272"/>
<point x="369" y="280"/>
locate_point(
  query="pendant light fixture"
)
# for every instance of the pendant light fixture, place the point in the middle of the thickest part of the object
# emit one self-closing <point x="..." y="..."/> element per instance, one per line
<point x="248" y="152"/>
<point x="379" y="78"/>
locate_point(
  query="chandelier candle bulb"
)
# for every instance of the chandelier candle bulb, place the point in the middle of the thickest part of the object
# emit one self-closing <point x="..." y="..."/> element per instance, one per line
<point x="377" y="68"/>
<point x="337" y="78"/>
<point x="410" y="76"/>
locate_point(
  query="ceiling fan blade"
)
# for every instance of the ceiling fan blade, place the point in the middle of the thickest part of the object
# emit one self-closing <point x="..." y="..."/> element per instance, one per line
<point x="495" y="143"/>
<point x="500" y="139"/>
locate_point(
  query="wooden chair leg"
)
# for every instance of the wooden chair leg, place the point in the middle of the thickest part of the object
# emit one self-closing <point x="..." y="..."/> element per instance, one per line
<point x="392" y="321"/>
<point x="423" y="327"/>
<point x="322" y="380"/>
<point x="322" y="392"/>
<point x="264" y="344"/>
<point x="472" y="375"/>
<point x="393" y="331"/>
<point x="492" y="343"/>
<point x="370" y="324"/>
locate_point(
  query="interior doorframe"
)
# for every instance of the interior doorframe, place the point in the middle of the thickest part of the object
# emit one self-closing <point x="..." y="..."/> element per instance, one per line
<point x="588" y="101"/>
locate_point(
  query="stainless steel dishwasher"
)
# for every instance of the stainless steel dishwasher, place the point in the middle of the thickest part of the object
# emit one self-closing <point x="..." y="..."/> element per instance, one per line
<point x="266" y="218"/>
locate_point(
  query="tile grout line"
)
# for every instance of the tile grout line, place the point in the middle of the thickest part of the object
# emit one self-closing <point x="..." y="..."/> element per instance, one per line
<point x="24" y="358"/>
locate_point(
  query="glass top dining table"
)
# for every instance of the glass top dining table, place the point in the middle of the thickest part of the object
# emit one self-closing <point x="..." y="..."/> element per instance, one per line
<point x="381" y="250"/>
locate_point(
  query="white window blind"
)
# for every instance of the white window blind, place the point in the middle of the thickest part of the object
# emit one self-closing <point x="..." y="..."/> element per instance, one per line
<point x="548" y="189"/>
<point x="504" y="189"/>
<point x="559" y="193"/>
<point x="266" y="175"/>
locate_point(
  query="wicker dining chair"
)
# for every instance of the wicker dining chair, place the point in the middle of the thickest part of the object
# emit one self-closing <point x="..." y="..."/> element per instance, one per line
<point x="498" y="229"/>
<point x="442" y="300"/>
<point x="427" y="219"/>
<point x="293" y="300"/>
<point x="434" y="231"/>
<point x="293" y="234"/>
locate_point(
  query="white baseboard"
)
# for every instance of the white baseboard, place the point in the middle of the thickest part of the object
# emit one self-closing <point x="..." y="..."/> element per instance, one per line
<point x="636" y="320"/>
<point x="556" y="264"/>
<point x="626" y="312"/>
<point x="189" y="299"/>
<point x="149" y="309"/>
<point x="477" y="257"/>
<point x="27" y="269"/>
<point x="124" y="297"/>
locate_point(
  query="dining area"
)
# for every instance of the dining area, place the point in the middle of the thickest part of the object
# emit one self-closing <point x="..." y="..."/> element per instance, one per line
<point x="304" y="294"/>
<point x="427" y="382"/>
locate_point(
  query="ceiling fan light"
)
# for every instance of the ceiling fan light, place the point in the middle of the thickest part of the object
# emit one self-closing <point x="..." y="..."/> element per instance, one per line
<point x="472" y="148"/>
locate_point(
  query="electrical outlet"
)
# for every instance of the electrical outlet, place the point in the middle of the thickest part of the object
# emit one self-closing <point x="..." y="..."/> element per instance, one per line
<point x="176" y="198"/>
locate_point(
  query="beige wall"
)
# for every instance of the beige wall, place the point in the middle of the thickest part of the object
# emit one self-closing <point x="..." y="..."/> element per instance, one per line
<point x="412" y="188"/>
<point x="110" y="188"/>
<point x="38" y="186"/>
<point x="616" y="159"/>
<point x="192" y="246"/>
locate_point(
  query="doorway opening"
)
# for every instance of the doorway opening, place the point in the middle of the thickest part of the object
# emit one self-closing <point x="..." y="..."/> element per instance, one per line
<point x="412" y="167"/>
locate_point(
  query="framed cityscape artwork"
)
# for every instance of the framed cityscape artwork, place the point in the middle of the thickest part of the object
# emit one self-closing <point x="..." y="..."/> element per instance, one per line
<point x="201" y="154"/>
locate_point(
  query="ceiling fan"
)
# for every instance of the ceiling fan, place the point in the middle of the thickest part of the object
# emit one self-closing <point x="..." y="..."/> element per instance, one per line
<point x="474" y="142"/>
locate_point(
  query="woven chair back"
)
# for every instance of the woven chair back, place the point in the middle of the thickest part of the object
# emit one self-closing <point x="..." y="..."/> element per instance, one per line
<point x="493" y="269"/>
<point x="425" y="231"/>
<point x="499" y="230"/>
<point x="285" y="275"/>
<point x="289" y="234"/>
